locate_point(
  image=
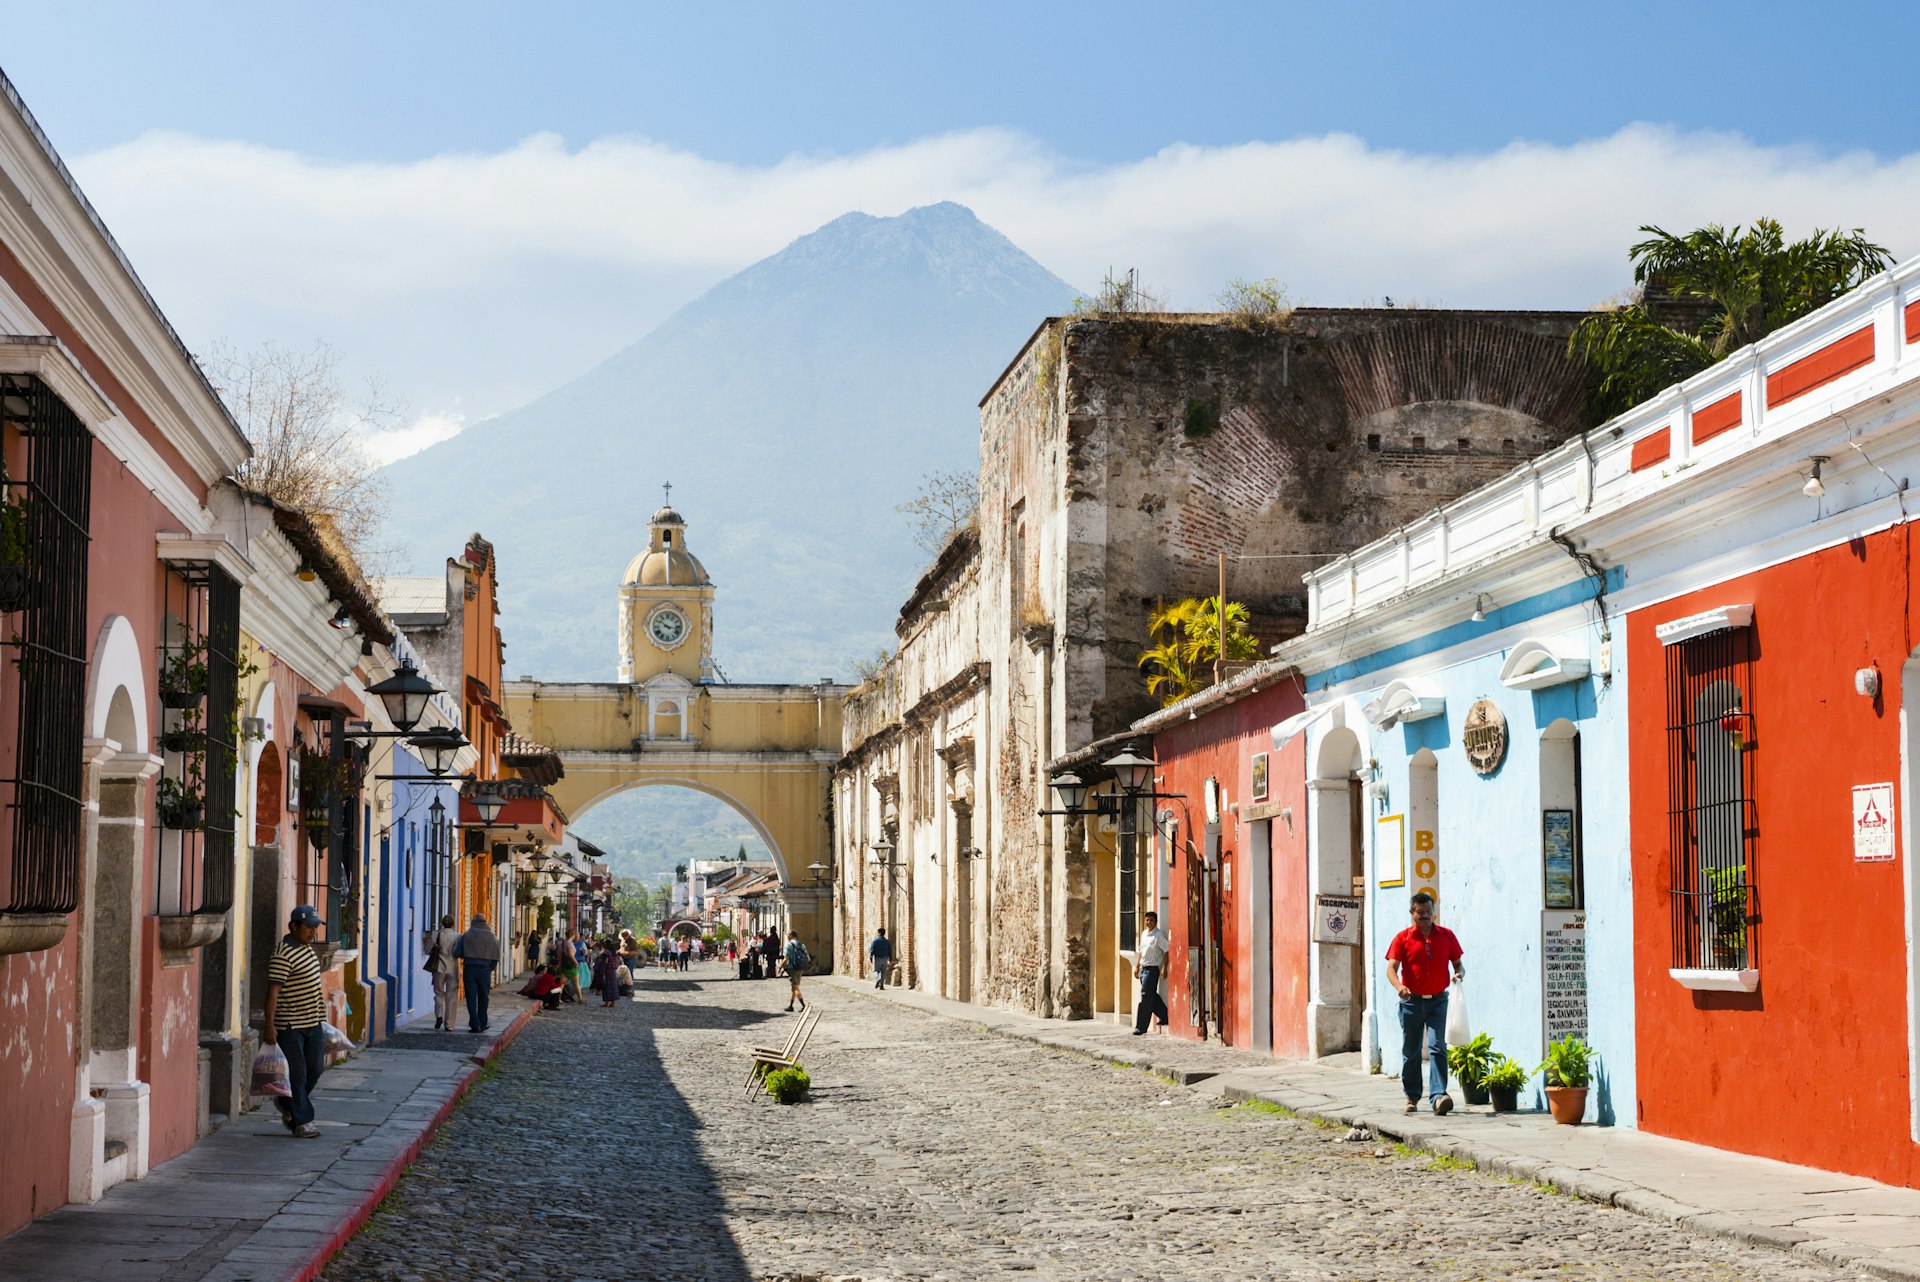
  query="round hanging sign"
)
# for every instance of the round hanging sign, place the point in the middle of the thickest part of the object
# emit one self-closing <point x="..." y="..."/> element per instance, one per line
<point x="1485" y="737"/>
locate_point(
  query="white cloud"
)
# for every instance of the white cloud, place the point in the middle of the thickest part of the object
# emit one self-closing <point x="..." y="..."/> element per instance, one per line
<point x="399" y="442"/>
<point x="485" y="279"/>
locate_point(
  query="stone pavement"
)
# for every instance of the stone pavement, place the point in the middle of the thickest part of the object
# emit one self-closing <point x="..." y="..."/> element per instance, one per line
<point x="250" y="1204"/>
<point x="619" y="1144"/>
<point x="1873" y="1228"/>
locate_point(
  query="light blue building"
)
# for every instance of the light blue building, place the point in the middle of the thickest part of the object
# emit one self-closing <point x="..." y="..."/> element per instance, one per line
<point x="1467" y="735"/>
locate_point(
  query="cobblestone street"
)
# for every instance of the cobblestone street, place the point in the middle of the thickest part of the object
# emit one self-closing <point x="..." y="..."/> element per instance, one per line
<point x="934" y="1150"/>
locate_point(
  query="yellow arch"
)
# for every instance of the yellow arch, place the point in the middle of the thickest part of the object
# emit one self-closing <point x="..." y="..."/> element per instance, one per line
<point x="759" y="826"/>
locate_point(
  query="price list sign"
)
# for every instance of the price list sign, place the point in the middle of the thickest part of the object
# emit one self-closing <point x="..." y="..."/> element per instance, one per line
<point x="1563" y="972"/>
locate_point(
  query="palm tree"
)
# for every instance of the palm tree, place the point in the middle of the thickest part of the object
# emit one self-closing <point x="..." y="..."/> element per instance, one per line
<point x="1191" y="641"/>
<point x="1751" y="281"/>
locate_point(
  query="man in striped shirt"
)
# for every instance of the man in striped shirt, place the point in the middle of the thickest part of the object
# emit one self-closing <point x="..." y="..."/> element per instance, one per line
<point x="295" y="1011"/>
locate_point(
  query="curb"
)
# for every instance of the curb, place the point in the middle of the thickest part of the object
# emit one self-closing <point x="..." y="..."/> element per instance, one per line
<point x="463" y="1082"/>
<point x="1587" y="1185"/>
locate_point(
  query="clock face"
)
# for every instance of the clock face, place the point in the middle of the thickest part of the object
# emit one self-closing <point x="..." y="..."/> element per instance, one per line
<point x="668" y="626"/>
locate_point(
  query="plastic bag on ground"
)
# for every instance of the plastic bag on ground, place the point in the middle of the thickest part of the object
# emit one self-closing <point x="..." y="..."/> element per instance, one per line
<point x="270" y="1072"/>
<point x="1459" y="1032"/>
<point x="336" y="1042"/>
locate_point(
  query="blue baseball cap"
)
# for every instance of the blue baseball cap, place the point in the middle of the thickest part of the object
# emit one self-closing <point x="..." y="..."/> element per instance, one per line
<point x="304" y="915"/>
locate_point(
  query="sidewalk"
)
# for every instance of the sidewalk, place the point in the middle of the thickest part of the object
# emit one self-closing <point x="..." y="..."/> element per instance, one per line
<point x="249" y="1204"/>
<point x="1838" y="1219"/>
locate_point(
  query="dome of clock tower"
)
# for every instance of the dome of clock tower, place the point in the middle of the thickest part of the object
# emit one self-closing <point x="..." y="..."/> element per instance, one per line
<point x="666" y="562"/>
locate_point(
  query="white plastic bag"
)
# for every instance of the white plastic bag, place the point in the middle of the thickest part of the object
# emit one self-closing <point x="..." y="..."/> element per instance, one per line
<point x="1459" y="1031"/>
<point x="336" y="1042"/>
<point x="270" y="1072"/>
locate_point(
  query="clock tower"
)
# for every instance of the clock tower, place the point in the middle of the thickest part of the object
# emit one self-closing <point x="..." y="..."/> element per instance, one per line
<point x="666" y="610"/>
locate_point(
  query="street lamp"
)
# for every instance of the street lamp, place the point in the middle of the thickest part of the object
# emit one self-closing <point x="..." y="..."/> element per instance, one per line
<point x="1132" y="771"/>
<point x="819" y="871"/>
<point x="438" y="746"/>
<point x="405" y="695"/>
<point x="488" y="803"/>
<point x="1072" y="792"/>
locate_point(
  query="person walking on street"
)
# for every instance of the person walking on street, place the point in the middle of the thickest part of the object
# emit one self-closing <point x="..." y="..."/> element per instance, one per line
<point x="798" y="963"/>
<point x="295" y="1011"/>
<point x="606" y="975"/>
<point x="479" y="952"/>
<point x="1417" y="962"/>
<point x="439" y="947"/>
<point x="880" y="953"/>
<point x="1152" y="960"/>
<point x="770" y="950"/>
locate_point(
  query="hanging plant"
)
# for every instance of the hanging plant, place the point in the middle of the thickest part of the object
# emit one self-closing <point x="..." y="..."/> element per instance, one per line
<point x="183" y="675"/>
<point x="182" y="806"/>
<point x="16" y="585"/>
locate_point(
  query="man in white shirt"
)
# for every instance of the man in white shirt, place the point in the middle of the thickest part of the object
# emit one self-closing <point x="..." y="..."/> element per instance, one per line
<point x="1153" y="958"/>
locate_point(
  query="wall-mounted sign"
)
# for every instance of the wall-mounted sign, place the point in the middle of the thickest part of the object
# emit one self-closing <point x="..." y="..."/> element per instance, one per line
<point x="1259" y="776"/>
<point x="1556" y="852"/>
<point x="1563" y="973"/>
<point x="1873" y="823"/>
<point x="1390" y="850"/>
<point x="1336" y="919"/>
<point x="1485" y="737"/>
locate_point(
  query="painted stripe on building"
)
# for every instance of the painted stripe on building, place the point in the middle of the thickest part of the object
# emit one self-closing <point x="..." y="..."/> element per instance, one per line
<point x="1652" y="449"/>
<point x="1577" y="592"/>
<point x="1816" y="369"/>
<point x="1722" y="415"/>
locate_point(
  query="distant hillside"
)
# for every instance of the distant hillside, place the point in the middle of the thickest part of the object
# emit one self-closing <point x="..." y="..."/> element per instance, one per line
<point x="647" y="831"/>
<point x="792" y="406"/>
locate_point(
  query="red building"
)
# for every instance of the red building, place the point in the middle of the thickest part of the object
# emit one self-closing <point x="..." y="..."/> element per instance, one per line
<point x="1231" y="880"/>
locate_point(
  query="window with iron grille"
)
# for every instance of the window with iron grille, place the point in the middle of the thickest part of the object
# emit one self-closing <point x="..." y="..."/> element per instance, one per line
<point x="195" y="793"/>
<point x="1710" y="810"/>
<point x="46" y="522"/>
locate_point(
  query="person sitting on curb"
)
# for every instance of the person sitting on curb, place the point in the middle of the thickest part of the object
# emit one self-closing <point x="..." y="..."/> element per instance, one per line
<point x="546" y="987"/>
<point x="295" y="1010"/>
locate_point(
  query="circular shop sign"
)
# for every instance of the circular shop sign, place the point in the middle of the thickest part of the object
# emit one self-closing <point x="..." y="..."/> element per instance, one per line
<point x="1485" y="737"/>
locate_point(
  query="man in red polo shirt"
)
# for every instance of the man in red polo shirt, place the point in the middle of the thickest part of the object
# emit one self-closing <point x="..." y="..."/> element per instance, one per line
<point x="1417" y="962"/>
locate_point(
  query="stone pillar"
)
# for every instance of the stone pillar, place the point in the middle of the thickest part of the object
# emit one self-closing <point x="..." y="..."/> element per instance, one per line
<point x="114" y="954"/>
<point x="86" y="1150"/>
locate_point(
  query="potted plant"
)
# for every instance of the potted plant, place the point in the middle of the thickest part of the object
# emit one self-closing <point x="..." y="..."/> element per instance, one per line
<point x="1568" y="1069"/>
<point x="1727" y="948"/>
<point x="182" y="806"/>
<point x="186" y="736"/>
<point x="15" y="574"/>
<point x="1469" y="1062"/>
<point x="1503" y="1079"/>
<point x="183" y="676"/>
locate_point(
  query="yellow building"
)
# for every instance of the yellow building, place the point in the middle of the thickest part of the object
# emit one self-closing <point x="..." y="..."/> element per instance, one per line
<point x="767" y="750"/>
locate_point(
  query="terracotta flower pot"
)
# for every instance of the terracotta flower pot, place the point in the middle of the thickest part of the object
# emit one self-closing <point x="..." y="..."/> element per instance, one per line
<point x="1568" y="1104"/>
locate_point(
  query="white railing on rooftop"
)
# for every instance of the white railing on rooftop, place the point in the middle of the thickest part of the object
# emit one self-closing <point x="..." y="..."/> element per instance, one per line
<point x="1552" y="490"/>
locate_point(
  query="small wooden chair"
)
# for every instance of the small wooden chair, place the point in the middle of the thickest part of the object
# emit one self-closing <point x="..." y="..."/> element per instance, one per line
<point x="766" y="1059"/>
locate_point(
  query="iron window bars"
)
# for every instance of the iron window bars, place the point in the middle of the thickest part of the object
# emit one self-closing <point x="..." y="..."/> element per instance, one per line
<point x="42" y="873"/>
<point x="1710" y="817"/>
<point x="196" y="791"/>
<point x="330" y="776"/>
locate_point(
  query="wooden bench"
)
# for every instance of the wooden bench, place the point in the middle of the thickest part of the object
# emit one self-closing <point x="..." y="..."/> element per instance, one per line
<point x="766" y="1058"/>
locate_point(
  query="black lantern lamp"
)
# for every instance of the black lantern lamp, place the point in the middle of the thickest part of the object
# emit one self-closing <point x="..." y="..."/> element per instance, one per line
<point x="1071" y="791"/>
<point x="405" y="695"/>
<point x="437" y="746"/>
<point x="488" y="803"/>
<point x="1133" y="772"/>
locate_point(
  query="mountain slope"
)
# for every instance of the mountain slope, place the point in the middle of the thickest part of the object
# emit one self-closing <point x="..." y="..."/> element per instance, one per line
<point x="792" y="406"/>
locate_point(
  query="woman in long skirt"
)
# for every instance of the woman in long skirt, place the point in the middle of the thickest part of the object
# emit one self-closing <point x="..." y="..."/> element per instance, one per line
<point x="606" y="974"/>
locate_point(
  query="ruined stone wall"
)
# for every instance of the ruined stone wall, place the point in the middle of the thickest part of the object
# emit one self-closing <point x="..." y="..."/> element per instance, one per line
<point x="1119" y="458"/>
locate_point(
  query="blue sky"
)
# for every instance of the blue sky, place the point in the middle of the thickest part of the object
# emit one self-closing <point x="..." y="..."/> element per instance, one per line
<point x="753" y="83"/>
<point x="478" y="201"/>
